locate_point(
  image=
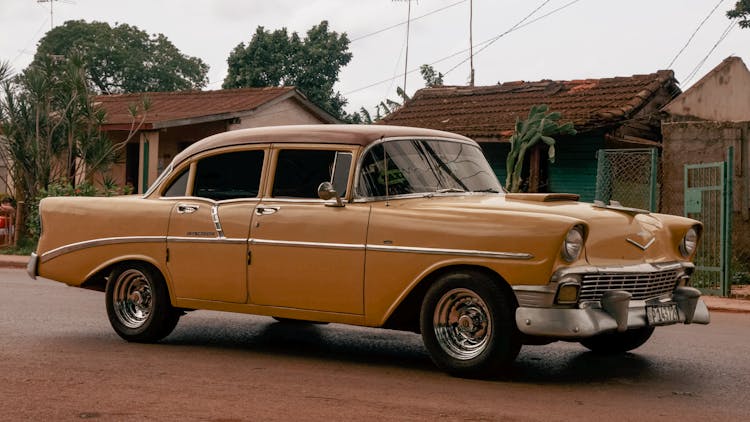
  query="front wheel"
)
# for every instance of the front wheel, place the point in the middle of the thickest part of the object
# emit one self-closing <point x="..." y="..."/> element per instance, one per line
<point x="468" y="325"/>
<point x="615" y="343"/>
<point x="138" y="304"/>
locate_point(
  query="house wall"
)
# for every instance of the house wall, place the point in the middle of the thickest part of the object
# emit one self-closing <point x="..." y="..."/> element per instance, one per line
<point x="701" y="142"/>
<point x="5" y="190"/>
<point x="287" y="112"/>
<point x="574" y="169"/>
<point x="724" y="96"/>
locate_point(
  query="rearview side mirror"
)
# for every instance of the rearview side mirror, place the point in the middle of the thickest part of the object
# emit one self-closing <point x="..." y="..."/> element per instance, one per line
<point x="326" y="192"/>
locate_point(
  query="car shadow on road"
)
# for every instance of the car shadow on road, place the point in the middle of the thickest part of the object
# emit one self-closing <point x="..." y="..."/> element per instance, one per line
<point x="584" y="367"/>
<point x="551" y="364"/>
<point x="332" y="342"/>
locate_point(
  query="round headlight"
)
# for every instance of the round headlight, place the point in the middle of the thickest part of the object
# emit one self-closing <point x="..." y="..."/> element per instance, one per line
<point x="573" y="244"/>
<point x="689" y="242"/>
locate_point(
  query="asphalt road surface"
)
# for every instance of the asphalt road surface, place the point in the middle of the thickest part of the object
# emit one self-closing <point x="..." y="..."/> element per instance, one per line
<point x="60" y="360"/>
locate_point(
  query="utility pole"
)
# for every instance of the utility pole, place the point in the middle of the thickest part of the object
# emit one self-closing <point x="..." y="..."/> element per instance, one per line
<point x="406" y="58"/>
<point x="471" y="42"/>
<point x="51" y="10"/>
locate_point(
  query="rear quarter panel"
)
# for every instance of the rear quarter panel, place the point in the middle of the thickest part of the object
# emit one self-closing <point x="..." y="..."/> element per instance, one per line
<point x="82" y="235"/>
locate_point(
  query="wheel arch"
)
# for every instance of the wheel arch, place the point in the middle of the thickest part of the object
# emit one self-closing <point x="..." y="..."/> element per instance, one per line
<point x="97" y="279"/>
<point x="405" y="315"/>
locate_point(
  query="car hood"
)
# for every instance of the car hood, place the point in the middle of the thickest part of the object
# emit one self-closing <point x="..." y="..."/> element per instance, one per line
<point x="614" y="235"/>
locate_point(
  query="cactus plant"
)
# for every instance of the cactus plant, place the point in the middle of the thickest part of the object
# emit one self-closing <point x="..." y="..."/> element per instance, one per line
<point x="539" y="126"/>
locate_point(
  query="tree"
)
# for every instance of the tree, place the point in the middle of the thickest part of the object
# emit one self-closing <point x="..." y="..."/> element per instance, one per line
<point x="50" y="128"/>
<point x="432" y="78"/>
<point x="539" y="126"/>
<point x="123" y="58"/>
<point x="278" y="58"/>
<point x="741" y="11"/>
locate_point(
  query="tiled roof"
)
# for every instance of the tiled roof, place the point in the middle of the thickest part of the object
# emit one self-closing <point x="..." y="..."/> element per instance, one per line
<point x="491" y="111"/>
<point x="181" y="105"/>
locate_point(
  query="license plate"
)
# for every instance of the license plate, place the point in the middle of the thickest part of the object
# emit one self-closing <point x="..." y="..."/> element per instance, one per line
<point x="662" y="314"/>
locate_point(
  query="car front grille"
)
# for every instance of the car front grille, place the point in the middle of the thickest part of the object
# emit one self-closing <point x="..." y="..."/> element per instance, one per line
<point x="641" y="285"/>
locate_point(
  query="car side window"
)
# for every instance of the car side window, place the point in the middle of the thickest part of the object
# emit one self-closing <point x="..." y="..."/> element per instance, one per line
<point x="299" y="172"/>
<point x="178" y="185"/>
<point x="229" y="176"/>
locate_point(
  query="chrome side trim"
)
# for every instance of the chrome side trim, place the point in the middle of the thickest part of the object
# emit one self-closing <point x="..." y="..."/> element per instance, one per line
<point x="341" y="246"/>
<point x="293" y="243"/>
<point x="188" y="239"/>
<point x="217" y="223"/>
<point x="54" y="253"/>
<point x="460" y="252"/>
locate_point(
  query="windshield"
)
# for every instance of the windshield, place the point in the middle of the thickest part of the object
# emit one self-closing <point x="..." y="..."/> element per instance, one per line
<point x="403" y="167"/>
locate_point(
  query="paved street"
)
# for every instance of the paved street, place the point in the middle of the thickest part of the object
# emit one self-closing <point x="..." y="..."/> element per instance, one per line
<point x="60" y="360"/>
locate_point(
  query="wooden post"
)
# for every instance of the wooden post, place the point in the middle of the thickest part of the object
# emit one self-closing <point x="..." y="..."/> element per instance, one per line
<point x="19" y="221"/>
<point x="534" y="167"/>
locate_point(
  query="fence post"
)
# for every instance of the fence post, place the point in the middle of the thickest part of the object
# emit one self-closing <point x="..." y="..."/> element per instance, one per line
<point x="654" y="163"/>
<point x="726" y="284"/>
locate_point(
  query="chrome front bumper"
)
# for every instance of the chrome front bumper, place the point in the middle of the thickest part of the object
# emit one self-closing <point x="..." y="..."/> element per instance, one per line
<point x="571" y="324"/>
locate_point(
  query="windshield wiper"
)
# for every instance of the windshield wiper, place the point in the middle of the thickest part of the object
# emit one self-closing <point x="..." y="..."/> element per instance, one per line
<point x="488" y="190"/>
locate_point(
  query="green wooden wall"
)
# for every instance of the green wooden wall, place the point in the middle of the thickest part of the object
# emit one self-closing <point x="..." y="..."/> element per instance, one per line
<point x="574" y="170"/>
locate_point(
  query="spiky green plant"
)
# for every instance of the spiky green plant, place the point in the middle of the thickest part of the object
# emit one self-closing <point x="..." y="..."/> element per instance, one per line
<point x="539" y="126"/>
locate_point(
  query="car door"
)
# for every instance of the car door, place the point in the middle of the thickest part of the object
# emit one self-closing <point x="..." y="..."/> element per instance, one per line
<point x="208" y="229"/>
<point x="308" y="253"/>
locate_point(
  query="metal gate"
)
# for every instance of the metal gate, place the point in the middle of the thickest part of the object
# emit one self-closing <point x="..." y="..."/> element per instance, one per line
<point x="628" y="176"/>
<point x="708" y="198"/>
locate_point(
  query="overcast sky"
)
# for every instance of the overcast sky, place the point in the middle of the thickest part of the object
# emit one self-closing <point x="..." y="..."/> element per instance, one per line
<point x="586" y="39"/>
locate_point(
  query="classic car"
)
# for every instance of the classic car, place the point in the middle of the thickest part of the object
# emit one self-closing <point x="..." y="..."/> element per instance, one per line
<point x="378" y="226"/>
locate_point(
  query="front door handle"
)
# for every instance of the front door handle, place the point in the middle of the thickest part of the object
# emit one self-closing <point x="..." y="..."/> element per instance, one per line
<point x="187" y="208"/>
<point x="265" y="210"/>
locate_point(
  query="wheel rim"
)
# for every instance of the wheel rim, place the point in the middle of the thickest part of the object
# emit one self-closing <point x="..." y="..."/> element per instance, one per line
<point x="132" y="298"/>
<point x="462" y="324"/>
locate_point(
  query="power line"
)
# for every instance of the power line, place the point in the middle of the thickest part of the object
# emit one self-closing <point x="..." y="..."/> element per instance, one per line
<point x="353" y="40"/>
<point x="700" y="64"/>
<point x="512" y="28"/>
<point x="694" y="32"/>
<point x="466" y="49"/>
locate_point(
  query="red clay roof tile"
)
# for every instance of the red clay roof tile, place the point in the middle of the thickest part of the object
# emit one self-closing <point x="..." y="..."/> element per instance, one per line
<point x="491" y="111"/>
<point x="168" y="106"/>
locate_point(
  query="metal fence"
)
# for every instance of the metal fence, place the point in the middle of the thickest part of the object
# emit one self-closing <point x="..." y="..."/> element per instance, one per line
<point x="629" y="176"/>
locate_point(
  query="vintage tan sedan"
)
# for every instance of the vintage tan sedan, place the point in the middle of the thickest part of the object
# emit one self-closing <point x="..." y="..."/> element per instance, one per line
<point x="379" y="226"/>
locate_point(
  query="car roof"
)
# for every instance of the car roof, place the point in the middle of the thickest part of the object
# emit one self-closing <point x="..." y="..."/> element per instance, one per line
<point x="314" y="134"/>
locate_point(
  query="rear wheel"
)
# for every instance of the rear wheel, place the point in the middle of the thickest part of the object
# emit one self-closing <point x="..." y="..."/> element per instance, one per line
<point x="615" y="343"/>
<point x="138" y="304"/>
<point x="468" y="325"/>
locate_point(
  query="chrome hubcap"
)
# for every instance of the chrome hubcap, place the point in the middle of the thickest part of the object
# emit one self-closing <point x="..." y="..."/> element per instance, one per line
<point x="462" y="324"/>
<point x="132" y="298"/>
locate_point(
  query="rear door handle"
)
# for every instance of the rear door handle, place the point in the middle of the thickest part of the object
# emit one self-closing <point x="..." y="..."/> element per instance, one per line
<point x="187" y="208"/>
<point x="265" y="210"/>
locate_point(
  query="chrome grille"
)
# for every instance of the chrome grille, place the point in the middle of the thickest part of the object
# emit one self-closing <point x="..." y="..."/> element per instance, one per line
<point x="641" y="285"/>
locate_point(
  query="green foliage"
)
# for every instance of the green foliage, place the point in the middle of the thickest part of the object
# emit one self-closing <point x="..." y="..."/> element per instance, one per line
<point x="278" y="58"/>
<point x="51" y="130"/>
<point x="539" y="126"/>
<point x="66" y="189"/>
<point x="741" y="11"/>
<point x="123" y="58"/>
<point x="432" y="78"/>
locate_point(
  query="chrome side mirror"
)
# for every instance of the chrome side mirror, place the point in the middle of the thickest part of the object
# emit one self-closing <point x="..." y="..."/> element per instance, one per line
<point x="326" y="192"/>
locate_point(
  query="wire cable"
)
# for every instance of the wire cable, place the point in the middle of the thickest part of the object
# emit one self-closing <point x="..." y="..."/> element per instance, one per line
<point x="464" y="50"/>
<point x="512" y="28"/>
<point x="353" y="40"/>
<point x="669" y="66"/>
<point x="700" y="64"/>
